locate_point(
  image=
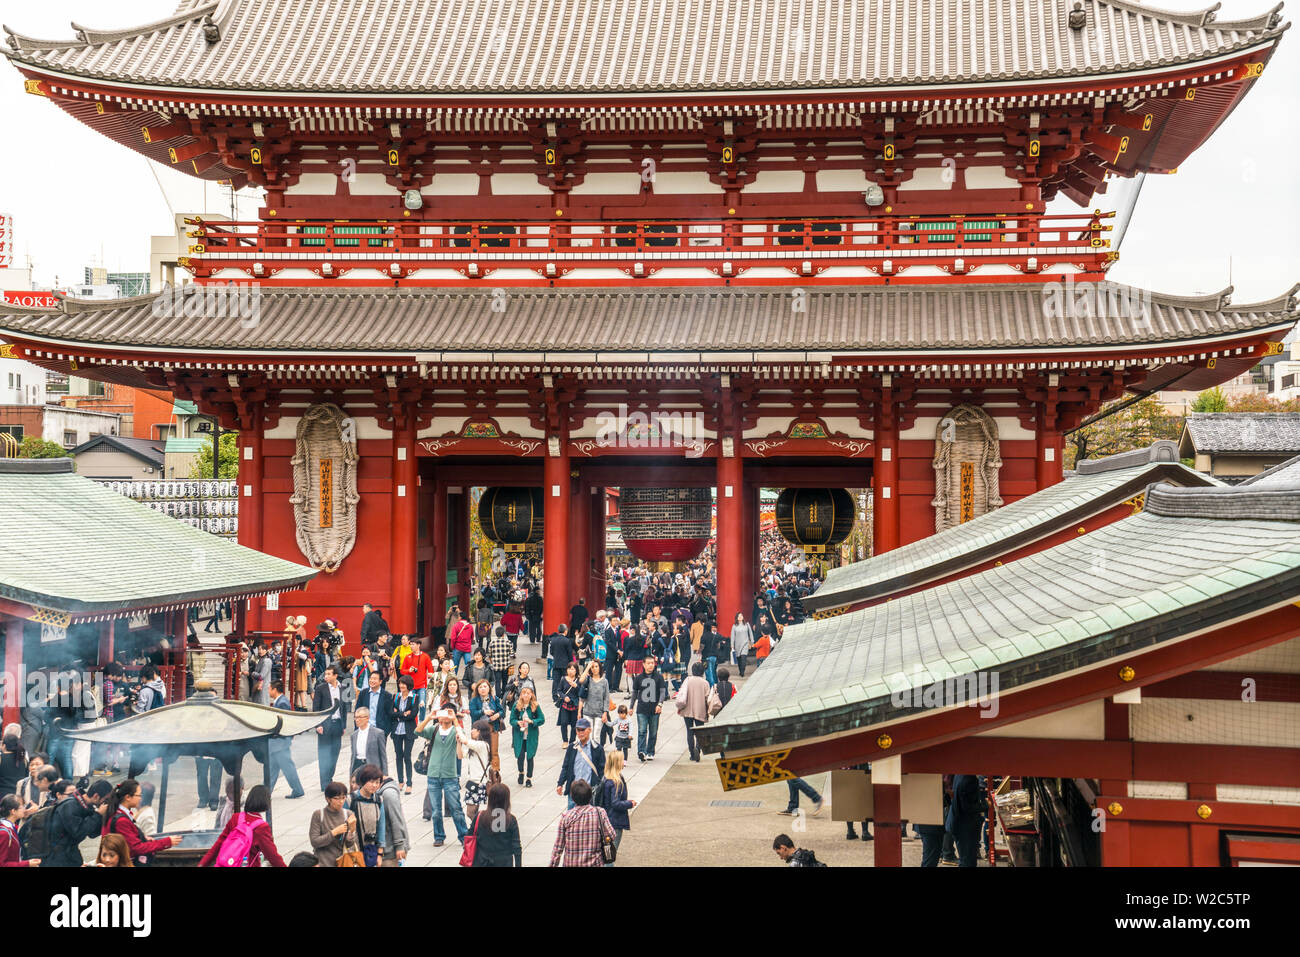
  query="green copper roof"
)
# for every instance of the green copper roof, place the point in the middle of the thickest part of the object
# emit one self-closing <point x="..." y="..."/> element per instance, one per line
<point x="1098" y="485"/>
<point x="181" y="407"/>
<point x="1193" y="559"/>
<point x="72" y="545"/>
<point x="187" y="445"/>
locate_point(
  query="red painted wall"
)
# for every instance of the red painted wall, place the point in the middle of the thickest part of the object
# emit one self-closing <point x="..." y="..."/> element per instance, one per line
<point x="916" y="482"/>
<point x="365" y="574"/>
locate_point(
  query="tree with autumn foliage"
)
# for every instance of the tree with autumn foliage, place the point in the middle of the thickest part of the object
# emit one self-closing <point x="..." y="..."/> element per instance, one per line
<point x="1133" y="427"/>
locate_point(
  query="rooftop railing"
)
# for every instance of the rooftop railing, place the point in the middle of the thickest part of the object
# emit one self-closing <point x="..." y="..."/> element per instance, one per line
<point x="885" y="245"/>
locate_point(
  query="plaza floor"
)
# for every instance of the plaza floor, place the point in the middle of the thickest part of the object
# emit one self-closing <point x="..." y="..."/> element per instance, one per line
<point x="683" y="816"/>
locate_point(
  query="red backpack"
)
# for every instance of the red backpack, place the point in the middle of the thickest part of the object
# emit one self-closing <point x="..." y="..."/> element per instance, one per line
<point x="235" y="849"/>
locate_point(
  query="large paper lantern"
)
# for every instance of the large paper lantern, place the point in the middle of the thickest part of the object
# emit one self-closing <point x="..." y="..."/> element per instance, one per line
<point x="512" y="517"/>
<point x="815" y="519"/>
<point x="666" y="524"/>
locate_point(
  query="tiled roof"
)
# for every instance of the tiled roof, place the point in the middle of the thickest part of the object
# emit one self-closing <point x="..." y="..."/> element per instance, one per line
<point x="894" y="318"/>
<point x="1220" y="433"/>
<point x="146" y="450"/>
<point x="589" y="46"/>
<point x="73" y="545"/>
<point x="1098" y="485"/>
<point x="1283" y="475"/>
<point x="1133" y="584"/>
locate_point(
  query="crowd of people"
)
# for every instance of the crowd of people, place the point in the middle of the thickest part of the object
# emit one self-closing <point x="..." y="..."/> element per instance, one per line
<point x="443" y="713"/>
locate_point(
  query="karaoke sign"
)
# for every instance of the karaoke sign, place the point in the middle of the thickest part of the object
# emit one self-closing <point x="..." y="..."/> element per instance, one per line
<point x="6" y="240"/>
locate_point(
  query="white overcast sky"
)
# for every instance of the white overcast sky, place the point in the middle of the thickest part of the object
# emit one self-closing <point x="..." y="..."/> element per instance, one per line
<point x="80" y="199"/>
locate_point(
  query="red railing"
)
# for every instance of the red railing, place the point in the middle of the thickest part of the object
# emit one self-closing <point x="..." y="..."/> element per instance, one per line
<point x="885" y="244"/>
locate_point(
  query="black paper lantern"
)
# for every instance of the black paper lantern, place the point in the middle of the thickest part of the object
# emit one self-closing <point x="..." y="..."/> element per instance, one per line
<point x="815" y="519"/>
<point x="512" y="517"/>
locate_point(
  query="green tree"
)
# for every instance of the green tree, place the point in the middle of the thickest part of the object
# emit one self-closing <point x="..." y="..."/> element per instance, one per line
<point x="229" y="464"/>
<point x="34" y="447"/>
<point x="1211" y="400"/>
<point x="1134" y="427"/>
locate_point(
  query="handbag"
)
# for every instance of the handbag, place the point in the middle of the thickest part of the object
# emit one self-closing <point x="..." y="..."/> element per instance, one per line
<point x="476" y="791"/>
<point x="422" y="762"/>
<point x="608" y="849"/>
<point x="351" y="856"/>
<point x="471" y="845"/>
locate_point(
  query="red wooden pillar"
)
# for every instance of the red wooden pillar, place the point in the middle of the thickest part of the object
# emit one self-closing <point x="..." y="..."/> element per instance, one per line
<point x="731" y="534"/>
<point x="1048" y="466"/>
<point x="596" y="536"/>
<point x="403" y="528"/>
<point x="884" y="483"/>
<point x="15" y="679"/>
<point x="106" y="640"/>
<point x="555" y="542"/>
<point x="458" y="545"/>
<point x="887" y="799"/>
<point x="251" y="514"/>
<point x="579" y="550"/>
<point x="180" y="632"/>
<point x="441" y="544"/>
<point x="750" y="505"/>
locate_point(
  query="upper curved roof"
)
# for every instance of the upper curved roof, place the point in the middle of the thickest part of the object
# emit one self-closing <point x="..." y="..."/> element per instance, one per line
<point x="522" y="47"/>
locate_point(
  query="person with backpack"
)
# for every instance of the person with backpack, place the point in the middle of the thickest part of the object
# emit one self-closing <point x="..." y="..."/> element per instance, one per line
<point x="721" y="693"/>
<point x="381" y="824"/>
<point x="119" y="818"/>
<point x="55" y="832"/>
<point x="793" y="856"/>
<point x="152" y="693"/>
<point x="246" y="839"/>
<point x="11" y="846"/>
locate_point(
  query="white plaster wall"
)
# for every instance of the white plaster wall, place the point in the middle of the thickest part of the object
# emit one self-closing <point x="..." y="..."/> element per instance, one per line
<point x="452" y="184"/>
<point x="314" y="184"/>
<point x="517" y="184"/>
<point x="927" y="177"/>
<point x="668" y="183"/>
<point x="988" y="177"/>
<point x="1084" y="722"/>
<point x="616" y="184"/>
<point x="776" y="181"/>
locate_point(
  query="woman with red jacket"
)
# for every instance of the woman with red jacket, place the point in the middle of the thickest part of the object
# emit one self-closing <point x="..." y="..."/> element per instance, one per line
<point x="419" y="667"/>
<point x="460" y="636"/>
<point x="11" y="848"/>
<point x="257" y="804"/>
<point x="119" y="819"/>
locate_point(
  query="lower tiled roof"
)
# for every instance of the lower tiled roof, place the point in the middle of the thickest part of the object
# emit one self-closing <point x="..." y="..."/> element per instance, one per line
<point x="726" y="319"/>
<point x="1099" y="484"/>
<point x="1220" y="433"/>
<point x="1132" y="584"/>
<point x="73" y="545"/>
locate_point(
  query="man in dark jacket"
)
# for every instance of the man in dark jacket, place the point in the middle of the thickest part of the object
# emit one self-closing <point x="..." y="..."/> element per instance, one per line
<point x="383" y="709"/>
<point x="584" y="760"/>
<point x="966" y="818"/>
<point x="329" y="735"/>
<point x="533" y="614"/>
<point x="562" y="655"/>
<point x="372" y="625"/>
<point x="794" y="856"/>
<point x="578" y="614"/>
<point x="74" y="819"/>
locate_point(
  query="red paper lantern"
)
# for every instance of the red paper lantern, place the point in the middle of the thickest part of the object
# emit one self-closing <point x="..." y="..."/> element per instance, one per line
<point x="666" y="524"/>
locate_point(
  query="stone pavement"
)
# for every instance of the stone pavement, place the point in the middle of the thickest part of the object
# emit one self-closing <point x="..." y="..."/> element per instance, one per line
<point x="537" y="808"/>
<point x="683" y="817"/>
